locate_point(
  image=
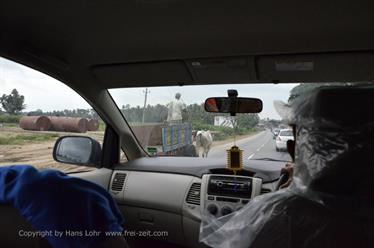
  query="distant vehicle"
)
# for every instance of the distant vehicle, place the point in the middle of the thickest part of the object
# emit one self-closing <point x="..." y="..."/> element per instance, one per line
<point x="275" y="132"/>
<point x="282" y="138"/>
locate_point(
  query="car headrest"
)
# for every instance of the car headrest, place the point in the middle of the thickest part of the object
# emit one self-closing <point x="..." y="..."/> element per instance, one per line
<point x="341" y="106"/>
<point x="334" y="143"/>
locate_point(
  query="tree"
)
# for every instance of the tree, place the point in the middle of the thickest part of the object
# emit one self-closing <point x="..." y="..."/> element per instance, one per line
<point x="13" y="103"/>
<point x="35" y="113"/>
<point x="93" y="114"/>
<point x="247" y="121"/>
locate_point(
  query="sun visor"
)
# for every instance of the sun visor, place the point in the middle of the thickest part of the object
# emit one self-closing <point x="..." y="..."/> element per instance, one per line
<point x="329" y="67"/>
<point x="142" y="74"/>
<point x="224" y="70"/>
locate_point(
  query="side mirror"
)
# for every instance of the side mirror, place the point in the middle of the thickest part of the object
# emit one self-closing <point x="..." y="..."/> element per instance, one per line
<point x="233" y="105"/>
<point x="78" y="150"/>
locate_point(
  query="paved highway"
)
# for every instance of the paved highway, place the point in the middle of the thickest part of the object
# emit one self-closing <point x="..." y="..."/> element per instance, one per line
<point x="261" y="145"/>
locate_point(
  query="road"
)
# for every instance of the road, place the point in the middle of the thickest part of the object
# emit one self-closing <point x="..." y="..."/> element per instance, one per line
<point x="261" y="145"/>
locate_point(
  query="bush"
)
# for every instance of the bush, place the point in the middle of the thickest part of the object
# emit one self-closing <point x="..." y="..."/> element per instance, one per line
<point x="10" y="118"/>
<point x="102" y="126"/>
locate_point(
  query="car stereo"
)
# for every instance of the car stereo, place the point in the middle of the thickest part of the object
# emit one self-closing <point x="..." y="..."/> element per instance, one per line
<point x="223" y="194"/>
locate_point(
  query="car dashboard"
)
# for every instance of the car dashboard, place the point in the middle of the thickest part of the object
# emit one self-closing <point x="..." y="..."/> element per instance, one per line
<point x="169" y="194"/>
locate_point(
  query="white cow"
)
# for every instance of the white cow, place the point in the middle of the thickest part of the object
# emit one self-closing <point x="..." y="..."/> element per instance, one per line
<point x="204" y="140"/>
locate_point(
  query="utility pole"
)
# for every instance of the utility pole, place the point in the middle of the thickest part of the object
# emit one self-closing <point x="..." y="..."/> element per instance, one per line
<point x="146" y="92"/>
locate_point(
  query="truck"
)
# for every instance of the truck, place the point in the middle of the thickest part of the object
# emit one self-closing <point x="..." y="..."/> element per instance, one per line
<point x="162" y="139"/>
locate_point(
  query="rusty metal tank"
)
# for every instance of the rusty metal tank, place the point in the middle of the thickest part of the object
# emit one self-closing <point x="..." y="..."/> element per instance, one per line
<point x="68" y="124"/>
<point x="35" y="123"/>
<point x="93" y="125"/>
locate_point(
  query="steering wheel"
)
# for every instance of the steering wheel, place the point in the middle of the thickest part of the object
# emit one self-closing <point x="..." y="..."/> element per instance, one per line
<point x="283" y="178"/>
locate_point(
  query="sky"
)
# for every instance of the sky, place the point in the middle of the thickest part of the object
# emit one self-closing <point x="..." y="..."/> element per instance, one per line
<point x="44" y="92"/>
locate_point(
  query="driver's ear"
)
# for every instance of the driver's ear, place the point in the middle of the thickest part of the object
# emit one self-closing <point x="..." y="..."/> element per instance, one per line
<point x="291" y="149"/>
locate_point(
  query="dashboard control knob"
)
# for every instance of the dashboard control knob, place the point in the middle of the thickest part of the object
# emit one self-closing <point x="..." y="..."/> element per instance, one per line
<point x="212" y="208"/>
<point x="226" y="210"/>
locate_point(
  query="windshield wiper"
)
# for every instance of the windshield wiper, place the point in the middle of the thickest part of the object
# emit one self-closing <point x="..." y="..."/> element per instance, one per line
<point x="270" y="159"/>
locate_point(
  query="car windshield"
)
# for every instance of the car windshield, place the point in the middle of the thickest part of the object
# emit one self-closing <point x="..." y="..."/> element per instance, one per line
<point x="171" y="121"/>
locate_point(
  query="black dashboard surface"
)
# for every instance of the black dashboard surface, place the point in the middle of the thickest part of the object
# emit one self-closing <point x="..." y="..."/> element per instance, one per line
<point x="267" y="170"/>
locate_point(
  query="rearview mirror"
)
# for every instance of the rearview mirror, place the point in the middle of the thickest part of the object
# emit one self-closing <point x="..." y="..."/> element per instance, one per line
<point x="79" y="150"/>
<point x="233" y="105"/>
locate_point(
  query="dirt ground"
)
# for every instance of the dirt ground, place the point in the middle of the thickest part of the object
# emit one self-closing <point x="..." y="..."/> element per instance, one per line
<point x="38" y="154"/>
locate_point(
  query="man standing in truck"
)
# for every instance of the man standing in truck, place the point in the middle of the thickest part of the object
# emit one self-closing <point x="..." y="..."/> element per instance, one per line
<point x="175" y="109"/>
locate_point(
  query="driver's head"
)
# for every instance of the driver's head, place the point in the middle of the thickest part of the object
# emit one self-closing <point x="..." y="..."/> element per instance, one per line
<point x="178" y="96"/>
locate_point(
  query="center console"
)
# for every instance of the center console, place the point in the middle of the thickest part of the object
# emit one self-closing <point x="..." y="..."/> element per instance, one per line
<point x="223" y="194"/>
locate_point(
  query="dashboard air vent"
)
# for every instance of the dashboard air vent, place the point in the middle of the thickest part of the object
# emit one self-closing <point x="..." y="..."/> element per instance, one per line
<point x="118" y="181"/>
<point x="193" y="196"/>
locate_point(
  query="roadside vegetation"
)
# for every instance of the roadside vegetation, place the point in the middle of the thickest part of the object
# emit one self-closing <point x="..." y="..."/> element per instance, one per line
<point x="223" y="133"/>
<point x="21" y="139"/>
<point x="9" y="119"/>
<point x="101" y="126"/>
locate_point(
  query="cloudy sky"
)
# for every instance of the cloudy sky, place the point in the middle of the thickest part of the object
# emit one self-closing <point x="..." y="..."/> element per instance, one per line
<point x="46" y="93"/>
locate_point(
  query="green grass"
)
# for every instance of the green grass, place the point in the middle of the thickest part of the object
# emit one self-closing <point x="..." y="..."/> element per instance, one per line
<point x="10" y="125"/>
<point x="21" y="139"/>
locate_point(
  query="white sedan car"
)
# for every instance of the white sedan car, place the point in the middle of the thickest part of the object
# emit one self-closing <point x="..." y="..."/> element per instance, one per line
<point x="281" y="140"/>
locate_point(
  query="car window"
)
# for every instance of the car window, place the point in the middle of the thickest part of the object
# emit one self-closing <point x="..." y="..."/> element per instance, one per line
<point x="172" y="121"/>
<point x="35" y="110"/>
<point x="286" y="133"/>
